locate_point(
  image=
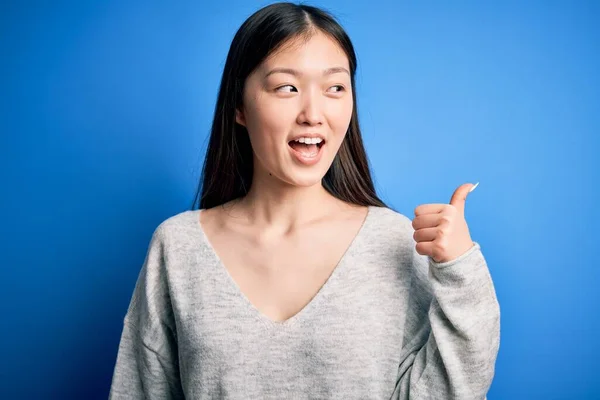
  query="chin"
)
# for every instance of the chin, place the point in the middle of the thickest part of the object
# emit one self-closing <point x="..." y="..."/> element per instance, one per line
<point x="304" y="178"/>
<point x="306" y="182"/>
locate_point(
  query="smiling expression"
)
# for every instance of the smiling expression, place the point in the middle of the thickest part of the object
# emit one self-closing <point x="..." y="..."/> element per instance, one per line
<point x="304" y="89"/>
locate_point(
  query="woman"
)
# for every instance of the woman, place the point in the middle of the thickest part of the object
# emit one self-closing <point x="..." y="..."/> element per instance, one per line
<point x="293" y="280"/>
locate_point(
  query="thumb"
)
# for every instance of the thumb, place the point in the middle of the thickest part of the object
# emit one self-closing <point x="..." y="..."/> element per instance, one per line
<point x="460" y="196"/>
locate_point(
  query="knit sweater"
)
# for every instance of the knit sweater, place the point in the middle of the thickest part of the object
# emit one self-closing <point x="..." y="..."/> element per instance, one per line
<point x="388" y="323"/>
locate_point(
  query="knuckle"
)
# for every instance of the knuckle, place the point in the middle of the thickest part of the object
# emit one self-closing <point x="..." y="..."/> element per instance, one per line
<point x="439" y="248"/>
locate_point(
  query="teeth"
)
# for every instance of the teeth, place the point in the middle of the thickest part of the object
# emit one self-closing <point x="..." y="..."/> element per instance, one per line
<point x="309" y="140"/>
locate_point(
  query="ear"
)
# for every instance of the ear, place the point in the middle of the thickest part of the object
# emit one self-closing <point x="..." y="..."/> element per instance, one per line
<point x="239" y="117"/>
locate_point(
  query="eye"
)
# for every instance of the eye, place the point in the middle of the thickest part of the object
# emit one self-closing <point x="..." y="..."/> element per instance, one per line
<point x="277" y="90"/>
<point x="342" y="88"/>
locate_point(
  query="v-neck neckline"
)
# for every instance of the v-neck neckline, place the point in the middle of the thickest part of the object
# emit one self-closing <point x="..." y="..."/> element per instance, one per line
<point x="316" y="299"/>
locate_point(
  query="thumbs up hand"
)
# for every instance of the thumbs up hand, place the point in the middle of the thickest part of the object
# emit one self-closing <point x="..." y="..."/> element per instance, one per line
<point x="441" y="231"/>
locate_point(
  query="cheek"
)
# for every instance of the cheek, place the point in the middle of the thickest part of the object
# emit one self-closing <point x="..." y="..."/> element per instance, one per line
<point x="265" y="129"/>
<point x="340" y="117"/>
<point x="269" y="123"/>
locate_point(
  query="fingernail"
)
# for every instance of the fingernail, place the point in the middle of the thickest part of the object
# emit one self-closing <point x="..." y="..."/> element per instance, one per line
<point x="473" y="188"/>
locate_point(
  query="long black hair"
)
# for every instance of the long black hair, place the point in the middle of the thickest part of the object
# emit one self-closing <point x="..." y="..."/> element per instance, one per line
<point x="228" y="165"/>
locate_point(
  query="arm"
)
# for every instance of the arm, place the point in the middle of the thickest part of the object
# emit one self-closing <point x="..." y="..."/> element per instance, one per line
<point x="147" y="360"/>
<point x="452" y="330"/>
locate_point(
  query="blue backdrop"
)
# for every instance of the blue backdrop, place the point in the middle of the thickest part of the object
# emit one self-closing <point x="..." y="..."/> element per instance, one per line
<point x="105" y="110"/>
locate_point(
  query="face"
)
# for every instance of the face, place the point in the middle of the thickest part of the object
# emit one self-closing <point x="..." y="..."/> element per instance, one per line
<point x="303" y="89"/>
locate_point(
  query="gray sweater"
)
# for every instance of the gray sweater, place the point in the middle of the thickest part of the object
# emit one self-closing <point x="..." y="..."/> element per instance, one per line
<point x="389" y="323"/>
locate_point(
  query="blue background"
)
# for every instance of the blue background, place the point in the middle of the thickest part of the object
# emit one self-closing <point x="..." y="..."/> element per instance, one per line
<point x="105" y="110"/>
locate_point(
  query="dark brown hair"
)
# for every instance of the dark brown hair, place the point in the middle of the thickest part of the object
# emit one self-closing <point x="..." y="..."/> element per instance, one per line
<point x="228" y="165"/>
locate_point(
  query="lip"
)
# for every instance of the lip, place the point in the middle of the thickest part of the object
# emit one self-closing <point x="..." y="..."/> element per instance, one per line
<point x="302" y="159"/>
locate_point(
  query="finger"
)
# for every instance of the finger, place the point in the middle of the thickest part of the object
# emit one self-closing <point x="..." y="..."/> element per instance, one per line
<point x="459" y="197"/>
<point x="426" y="221"/>
<point x="429" y="209"/>
<point x="425" y="248"/>
<point x="427" y="234"/>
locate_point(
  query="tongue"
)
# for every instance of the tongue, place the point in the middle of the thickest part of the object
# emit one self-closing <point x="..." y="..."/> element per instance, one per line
<point x="308" y="150"/>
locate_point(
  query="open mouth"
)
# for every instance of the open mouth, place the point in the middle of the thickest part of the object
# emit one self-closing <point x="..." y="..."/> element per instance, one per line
<point x="306" y="148"/>
<point x="307" y="153"/>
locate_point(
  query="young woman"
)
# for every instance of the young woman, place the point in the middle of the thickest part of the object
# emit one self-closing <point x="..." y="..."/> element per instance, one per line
<point x="292" y="279"/>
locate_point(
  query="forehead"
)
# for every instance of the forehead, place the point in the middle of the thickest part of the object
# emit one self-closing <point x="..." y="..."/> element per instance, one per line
<point x="315" y="54"/>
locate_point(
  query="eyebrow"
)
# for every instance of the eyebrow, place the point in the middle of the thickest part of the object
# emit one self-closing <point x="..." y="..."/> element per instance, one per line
<point x="291" y="71"/>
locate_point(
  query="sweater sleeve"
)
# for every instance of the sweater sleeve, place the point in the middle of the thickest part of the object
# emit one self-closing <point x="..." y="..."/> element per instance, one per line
<point x="147" y="359"/>
<point x="452" y="330"/>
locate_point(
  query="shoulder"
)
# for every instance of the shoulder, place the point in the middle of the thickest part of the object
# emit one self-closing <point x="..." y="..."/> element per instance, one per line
<point x="394" y="233"/>
<point x="177" y="227"/>
<point x="390" y="221"/>
<point x="388" y="231"/>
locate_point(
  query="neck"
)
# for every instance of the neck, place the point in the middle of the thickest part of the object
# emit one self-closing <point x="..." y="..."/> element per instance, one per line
<point x="274" y="204"/>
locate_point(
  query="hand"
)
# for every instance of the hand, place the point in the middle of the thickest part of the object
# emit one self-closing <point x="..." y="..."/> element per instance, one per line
<point x="441" y="231"/>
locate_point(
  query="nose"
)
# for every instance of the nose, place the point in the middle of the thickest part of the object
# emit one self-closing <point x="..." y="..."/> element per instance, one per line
<point x="311" y="112"/>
